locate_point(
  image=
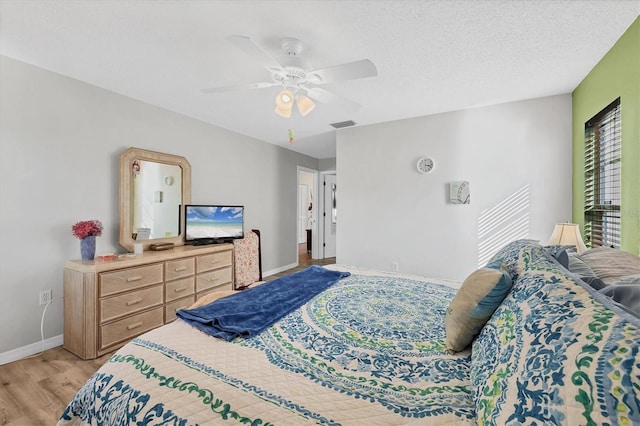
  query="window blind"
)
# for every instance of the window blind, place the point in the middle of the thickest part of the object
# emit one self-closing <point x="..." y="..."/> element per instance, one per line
<point x="602" y="155"/>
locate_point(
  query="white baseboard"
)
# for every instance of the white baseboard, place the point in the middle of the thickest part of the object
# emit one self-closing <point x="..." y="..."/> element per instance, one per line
<point x="278" y="270"/>
<point x="32" y="349"/>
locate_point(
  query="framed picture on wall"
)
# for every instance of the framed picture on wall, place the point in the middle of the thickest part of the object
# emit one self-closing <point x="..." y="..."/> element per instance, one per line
<point x="459" y="192"/>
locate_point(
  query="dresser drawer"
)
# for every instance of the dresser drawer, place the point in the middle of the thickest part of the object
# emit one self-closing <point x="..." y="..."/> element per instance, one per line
<point x="130" y="327"/>
<point x="129" y="279"/>
<point x="181" y="288"/>
<point x="213" y="279"/>
<point x="135" y="301"/>
<point x="179" y="268"/>
<point x="170" y="309"/>
<point x="211" y="261"/>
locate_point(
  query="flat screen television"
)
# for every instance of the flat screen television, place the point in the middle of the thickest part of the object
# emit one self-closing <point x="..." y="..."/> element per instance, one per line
<point x="212" y="224"/>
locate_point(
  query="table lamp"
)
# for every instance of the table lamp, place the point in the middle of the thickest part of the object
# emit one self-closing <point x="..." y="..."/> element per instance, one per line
<point x="567" y="234"/>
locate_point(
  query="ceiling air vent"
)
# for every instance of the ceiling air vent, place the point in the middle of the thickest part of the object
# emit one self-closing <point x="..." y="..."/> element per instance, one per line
<point x="342" y="124"/>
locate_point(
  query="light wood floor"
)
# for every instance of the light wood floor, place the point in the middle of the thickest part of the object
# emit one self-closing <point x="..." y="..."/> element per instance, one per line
<point x="35" y="391"/>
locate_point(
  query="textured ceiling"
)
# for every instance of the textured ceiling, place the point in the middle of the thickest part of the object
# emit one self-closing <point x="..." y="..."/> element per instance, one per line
<point x="431" y="56"/>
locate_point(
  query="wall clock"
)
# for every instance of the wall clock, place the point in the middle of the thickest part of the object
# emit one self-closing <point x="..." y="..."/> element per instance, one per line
<point x="425" y="165"/>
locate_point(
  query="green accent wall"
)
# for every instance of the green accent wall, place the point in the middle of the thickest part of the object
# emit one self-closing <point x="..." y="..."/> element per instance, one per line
<point x="616" y="75"/>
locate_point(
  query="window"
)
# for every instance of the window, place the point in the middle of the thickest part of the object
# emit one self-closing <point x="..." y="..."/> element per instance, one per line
<point x="602" y="154"/>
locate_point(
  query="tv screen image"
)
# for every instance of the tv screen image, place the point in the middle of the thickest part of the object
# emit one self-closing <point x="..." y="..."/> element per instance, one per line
<point x="212" y="222"/>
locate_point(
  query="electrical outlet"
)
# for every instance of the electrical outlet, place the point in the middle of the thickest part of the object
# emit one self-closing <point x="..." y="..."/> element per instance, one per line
<point x="46" y="296"/>
<point x="395" y="267"/>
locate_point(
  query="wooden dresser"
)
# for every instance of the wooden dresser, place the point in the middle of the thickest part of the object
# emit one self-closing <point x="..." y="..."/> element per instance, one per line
<point x="108" y="303"/>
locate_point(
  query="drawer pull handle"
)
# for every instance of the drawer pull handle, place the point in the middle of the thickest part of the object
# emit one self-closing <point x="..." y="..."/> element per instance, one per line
<point x="178" y="290"/>
<point x="134" y="325"/>
<point x="138" y="278"/>
<point x="181" y="268"/>
<point x="134" y="301"/>
<point x="213" y="279"/>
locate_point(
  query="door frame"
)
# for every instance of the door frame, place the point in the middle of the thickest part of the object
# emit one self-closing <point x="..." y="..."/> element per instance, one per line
<point x="303" y="195"/>
<point x="322" y="231"/>
<point x="315" y="251"/>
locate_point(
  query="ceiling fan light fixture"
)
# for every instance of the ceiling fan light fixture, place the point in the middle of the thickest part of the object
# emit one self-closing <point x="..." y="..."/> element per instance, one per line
<point x="297" y="79"/>
<point x="305" y="105"/>
<point x="284" y="100"/>
<point x="284" y="103"/>
<point x="282" y="112"/>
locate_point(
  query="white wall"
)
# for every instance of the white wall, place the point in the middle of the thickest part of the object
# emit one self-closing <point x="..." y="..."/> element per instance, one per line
<point x="516" y="156"/>
<point x="60" y="140"/>
<point x="327" y="164"/>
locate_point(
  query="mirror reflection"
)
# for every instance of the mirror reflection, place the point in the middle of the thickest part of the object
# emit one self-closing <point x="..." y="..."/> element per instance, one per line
<point x="154" y="187"/>
<point x="155" y="199"/>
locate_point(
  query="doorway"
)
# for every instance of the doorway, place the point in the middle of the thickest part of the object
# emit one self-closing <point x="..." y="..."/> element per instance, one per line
<point x="307" y="228"/>
<point x="305" y="207"/>
<point x="329" y="216"/>
<point x="317" y="216"/>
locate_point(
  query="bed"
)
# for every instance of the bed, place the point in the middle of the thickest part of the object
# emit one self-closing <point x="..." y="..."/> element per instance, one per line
<point x="339" y="359"/>
<point x="370" y="349"/>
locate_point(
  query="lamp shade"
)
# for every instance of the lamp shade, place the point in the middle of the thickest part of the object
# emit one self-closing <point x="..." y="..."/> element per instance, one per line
<point x="286" y="113"/>
<point x="284" y="103"/>
<point x="305" y="105"/>
<point x="567" y="234"/>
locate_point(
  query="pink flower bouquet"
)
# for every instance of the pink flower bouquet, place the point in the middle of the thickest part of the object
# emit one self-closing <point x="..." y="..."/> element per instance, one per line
<point x="86" y="228"/>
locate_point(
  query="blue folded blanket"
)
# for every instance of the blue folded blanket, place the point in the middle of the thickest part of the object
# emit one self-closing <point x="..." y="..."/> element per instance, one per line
<point x="248" y="312"/>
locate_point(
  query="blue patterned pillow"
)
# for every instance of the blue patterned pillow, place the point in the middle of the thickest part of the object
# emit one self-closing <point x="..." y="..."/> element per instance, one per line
<point x="480" y="295"/>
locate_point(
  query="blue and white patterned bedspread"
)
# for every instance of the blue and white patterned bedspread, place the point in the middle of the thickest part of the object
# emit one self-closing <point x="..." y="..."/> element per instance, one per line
<point x="369" y="350"/>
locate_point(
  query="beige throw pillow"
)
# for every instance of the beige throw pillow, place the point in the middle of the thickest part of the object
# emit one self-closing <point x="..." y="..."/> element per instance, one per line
<point x="480" y="295"/>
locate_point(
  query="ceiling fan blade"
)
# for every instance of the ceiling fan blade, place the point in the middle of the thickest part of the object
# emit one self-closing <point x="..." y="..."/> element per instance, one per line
<point x="348" y="71"/>
<point x="253" y="50"/>
<point x="222" y="89"/>
<point x="325" y="96"/>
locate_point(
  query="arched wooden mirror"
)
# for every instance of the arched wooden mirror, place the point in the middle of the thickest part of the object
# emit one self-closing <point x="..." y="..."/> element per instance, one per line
<point x="154" y="187"/>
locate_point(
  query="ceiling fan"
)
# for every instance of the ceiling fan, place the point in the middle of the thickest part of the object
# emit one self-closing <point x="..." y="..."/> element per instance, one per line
<point x="293" y="75"/>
